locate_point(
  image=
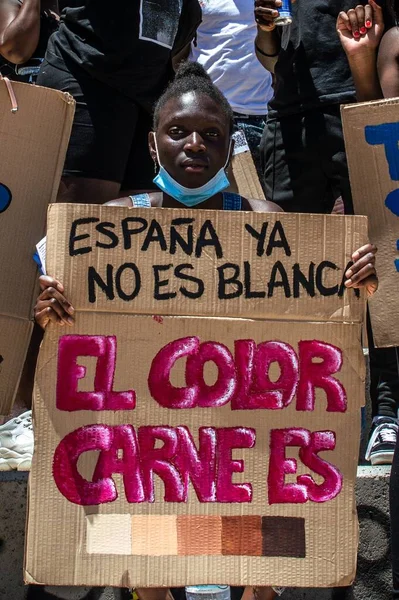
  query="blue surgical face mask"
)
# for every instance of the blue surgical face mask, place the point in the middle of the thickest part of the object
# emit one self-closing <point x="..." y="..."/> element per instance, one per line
<point x="191" y="196"/>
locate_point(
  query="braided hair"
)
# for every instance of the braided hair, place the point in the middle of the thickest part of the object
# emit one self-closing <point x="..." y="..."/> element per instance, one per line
<point x="192" y="77"/>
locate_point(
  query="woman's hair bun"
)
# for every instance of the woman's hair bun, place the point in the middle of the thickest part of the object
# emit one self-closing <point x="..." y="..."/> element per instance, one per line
<point x="192" y="77"/>
<point x="191" y="69"/>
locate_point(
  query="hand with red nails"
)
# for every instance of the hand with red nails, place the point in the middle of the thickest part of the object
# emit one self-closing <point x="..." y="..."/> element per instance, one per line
<point x="362" y="273"/>
<point x="52" y="305"/>
<point x="361" y="28"/>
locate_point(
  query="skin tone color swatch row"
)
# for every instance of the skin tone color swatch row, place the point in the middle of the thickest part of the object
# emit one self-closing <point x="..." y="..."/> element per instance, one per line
<point x="196" y="535"/>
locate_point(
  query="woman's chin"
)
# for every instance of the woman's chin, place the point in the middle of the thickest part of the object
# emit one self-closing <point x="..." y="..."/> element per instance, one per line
<point x="193" y="177"/>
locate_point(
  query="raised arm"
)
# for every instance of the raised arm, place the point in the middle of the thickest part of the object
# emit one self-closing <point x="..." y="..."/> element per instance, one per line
<point x="360" y="31"/>
<point x="267" y="41"/>
<point x="388" y="63"/>
<point x="19" y="29"/>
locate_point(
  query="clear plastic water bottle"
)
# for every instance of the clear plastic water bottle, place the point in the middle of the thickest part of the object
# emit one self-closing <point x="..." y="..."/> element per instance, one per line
<point x="208" y="592"/>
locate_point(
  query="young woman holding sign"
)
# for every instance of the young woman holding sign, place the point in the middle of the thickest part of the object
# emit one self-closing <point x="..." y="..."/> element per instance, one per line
<point x="191" y="148"/>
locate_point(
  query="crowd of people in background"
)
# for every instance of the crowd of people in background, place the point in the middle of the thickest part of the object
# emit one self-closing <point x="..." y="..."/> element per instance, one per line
<point x="282" y="86"/>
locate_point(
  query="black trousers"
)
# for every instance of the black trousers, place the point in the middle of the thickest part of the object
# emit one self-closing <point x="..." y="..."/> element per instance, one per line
<point x="304" y="163"/>
<point x="394" y="509"/>
<point x="384" y="378"/>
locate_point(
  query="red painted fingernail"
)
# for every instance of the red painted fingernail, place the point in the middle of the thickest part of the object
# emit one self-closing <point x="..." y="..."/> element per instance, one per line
<point x="356" y="34"/>
<point x="368" y="23"/>
<point x="363" y="30"/>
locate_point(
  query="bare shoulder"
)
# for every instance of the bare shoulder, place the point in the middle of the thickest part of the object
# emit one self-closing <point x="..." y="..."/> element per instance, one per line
<point x="258" y="205"/>
<point x="387" y="63"/>
<point x="390" y="41"/>
<point x="120" y="202"/>
<point x="389" y="47"/>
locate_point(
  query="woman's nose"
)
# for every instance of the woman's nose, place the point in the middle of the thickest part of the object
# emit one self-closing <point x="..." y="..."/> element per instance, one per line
<point x="195" y="143"/>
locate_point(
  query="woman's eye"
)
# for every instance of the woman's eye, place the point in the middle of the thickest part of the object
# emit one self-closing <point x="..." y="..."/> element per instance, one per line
<point x="212" y="134"/>
<point x="176" y="131"/>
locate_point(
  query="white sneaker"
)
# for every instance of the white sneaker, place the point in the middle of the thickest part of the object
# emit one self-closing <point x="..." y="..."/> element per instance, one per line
<point x="16" y="443"/>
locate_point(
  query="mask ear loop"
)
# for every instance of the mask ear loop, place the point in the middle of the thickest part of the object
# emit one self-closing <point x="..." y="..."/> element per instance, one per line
<point x="156" y="160"/>
<point x="156" y="149"/>
<point x="227" y="163"/>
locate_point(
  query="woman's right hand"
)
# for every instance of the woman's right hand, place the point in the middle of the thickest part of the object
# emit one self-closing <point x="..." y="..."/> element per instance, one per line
<point x="361" y="28"/>
<point x="52" y="305"/>
<point x="266" y="11"/>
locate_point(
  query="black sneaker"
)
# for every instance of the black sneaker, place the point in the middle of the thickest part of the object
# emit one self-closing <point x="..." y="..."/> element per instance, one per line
<point x="382" y="441"/>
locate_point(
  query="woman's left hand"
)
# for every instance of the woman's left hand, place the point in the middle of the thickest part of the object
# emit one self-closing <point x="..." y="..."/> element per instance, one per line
<point x="362" y="273"/>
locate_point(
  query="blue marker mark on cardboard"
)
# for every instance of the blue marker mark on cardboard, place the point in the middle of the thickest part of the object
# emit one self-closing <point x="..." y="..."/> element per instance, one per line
<point x="392" y="202"/>
<point x="5" y="197"/>
<point x="387" y="134"/>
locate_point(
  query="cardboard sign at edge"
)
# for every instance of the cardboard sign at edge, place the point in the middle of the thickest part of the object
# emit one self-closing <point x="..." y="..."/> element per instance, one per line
<point x="32" y="154"/>
<point x="370" y="183"/>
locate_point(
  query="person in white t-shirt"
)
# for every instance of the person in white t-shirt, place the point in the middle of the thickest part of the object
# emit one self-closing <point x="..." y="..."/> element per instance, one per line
<point x="225" y="48"/>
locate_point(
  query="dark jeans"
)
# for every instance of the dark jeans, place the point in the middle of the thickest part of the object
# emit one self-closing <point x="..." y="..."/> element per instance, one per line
<point x="253" y="127"/>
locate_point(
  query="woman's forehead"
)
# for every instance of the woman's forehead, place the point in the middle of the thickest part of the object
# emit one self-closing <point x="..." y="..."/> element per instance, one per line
<point x="192" y="105"/>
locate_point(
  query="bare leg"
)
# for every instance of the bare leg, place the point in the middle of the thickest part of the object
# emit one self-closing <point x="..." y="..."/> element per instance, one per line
<point x="81" y="190"/>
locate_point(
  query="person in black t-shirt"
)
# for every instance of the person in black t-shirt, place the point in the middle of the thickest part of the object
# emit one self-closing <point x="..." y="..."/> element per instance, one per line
<point x="115" y="59"/>
<point x="25" y="28"/>
<point x="303" y="150"/>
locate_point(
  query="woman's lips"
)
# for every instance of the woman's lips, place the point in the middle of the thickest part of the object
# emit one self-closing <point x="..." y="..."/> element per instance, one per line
<point x="194" y="166"/>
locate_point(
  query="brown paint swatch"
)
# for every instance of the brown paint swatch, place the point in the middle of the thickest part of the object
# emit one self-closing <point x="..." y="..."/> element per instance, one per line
<point x="199" y="535"/>
<point x="284" y="536"/>
<point x="242" y="536"/>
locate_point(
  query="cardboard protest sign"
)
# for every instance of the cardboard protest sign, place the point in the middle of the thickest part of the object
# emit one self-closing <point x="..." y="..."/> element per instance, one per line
<point x="371" y="138"/>
<point x="199" y="422"/>
<point x="32" y="152"/>
<point x="243" y="173"/>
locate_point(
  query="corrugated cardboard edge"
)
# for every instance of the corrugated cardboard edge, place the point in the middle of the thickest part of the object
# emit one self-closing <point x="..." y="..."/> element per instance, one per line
<point x="246" y="176"/>
<point x="69" y="106"/>
<point x="359" y="105"/>
<point x="27" y="577"/>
